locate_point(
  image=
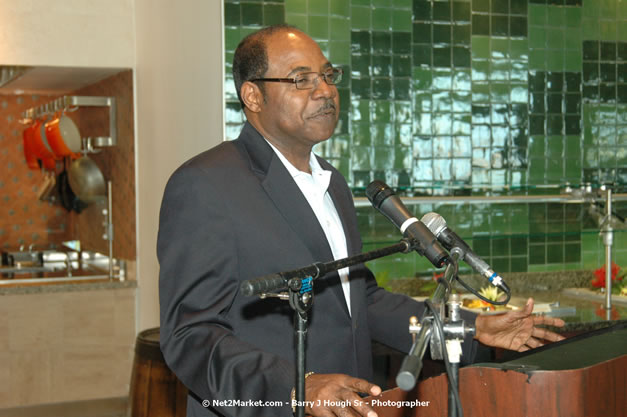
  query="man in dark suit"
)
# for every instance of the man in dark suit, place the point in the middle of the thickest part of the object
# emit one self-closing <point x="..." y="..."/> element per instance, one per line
<point x="262" y="204"/>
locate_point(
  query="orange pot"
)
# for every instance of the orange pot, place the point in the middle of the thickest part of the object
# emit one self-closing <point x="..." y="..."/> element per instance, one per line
<point x="63" y="137"/>
<point x="29" y="151"/>
<point x="41" y="148"/>
<point x="40" y="143"/>
<point x="49" y="164"/>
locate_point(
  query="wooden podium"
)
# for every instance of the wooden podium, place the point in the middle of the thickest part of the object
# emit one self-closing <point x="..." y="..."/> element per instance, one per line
<point x="582" y="376"/>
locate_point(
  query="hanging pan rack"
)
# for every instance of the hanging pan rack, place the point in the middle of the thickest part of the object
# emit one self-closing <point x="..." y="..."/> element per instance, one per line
<point x="72" y="103"/>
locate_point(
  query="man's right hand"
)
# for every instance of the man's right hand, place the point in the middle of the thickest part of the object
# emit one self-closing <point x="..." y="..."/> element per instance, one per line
<point x="330" y="395"/>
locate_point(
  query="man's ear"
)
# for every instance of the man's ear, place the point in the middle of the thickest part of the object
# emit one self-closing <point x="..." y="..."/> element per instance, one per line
<point x="251" y="96"/>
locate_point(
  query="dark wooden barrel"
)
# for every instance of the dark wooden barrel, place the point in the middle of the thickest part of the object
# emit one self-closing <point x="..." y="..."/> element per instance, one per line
<point x="155" y="390"/>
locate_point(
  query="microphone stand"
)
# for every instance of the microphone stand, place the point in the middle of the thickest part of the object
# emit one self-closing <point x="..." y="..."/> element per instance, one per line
<point x="453" y="331"/>
<point x="299" y="284"/>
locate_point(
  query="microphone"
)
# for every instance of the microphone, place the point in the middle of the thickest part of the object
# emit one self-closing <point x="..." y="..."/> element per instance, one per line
<point x="390" y="205"/>
<point x="281" y="280"/>
<point x="450" y="239"/>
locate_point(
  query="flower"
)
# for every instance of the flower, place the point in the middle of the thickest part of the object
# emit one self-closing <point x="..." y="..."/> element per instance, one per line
<point x="491" y="293"/>
<point x="617" y="278"/>
<point x="601" y="312"/>
<point x="437" y="276"/>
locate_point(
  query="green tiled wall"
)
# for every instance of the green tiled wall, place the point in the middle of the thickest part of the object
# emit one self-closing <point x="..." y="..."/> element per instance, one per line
<point x="471" y="97"/>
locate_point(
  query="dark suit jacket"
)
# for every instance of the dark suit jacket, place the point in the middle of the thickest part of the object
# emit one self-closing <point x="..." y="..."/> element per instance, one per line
<point x="234" y="213"/>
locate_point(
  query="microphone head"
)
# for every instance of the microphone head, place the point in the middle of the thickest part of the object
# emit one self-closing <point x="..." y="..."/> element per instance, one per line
<point x="377" y="191"/>
<point x="434" y="222"/>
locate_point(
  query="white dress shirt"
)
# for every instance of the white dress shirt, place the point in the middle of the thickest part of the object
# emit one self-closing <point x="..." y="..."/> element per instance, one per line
<point x="314" y="187"/>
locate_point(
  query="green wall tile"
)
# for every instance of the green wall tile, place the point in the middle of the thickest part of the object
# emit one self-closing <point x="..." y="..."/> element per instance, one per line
<point x="273" y="14"/>
<point x="320" y="7"/>
<point x="501" y="264"/>
<point x="519" y="49"/>
<point x="252" y="14"/>
<point x="462" y="34"/>
<point x="556" y="16"/>
<point x="381" y="3"/>
<point x="538" y="15"/>
<point x="607" y="9"/>
<point x="231" y="39"/>
<point x="572" y="253"/>
<point x="401" y="21"/>
<point x="537" y="255"/>
<point x="340" y="8"/>
<point x="422" y="78"/>
<point x="232" y="14"/>
<point x="591" y="28"/>
<point x="572" y="16"/>
<point x="298" y="20"/>
<point x="555" y="60"/>
<point x="296" y="6"/>
<point x="361" y="134"/>
<point x="538" y="59"/>
<point x="609" y="31"/>
<point x="340" y="29"/>
<point x="519" y="264"/>
<point x="339" y="53"/>
<point x="318" y="27"/>
<point x="426" y="101"/>
<point x="403" y="4"/>
<point x="360" y="17"/>
<point x="381" y="19"/>
<point x="555" y="38"/>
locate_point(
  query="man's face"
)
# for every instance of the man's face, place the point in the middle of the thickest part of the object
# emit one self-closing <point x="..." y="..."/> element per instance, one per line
<point x="291" y="116"/>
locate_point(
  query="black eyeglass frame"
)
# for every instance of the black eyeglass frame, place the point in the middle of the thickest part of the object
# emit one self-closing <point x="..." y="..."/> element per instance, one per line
<point x="294" y="80"/>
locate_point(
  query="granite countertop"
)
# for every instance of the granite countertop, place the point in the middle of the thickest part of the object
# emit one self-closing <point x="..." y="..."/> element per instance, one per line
<point x="86" y="271"/>
<point x="562" y="294"/>
<point x="67" y="284"/>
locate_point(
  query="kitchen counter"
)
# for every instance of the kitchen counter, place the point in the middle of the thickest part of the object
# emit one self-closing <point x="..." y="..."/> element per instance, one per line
<point x="580" y="314"/>
<point x="58" y="271"/>
<point x="65" y="284"/>
<point x="58" y="336"/>
<point x="562" y="294"/>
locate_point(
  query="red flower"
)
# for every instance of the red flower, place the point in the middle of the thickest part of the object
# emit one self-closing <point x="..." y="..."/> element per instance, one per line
<point x="599" y="282"/>
<point x="600" y="312"/>
<point x="437" y="276"/>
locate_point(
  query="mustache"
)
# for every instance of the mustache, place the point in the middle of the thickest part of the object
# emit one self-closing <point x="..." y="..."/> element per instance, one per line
<point x="328" y="105"/>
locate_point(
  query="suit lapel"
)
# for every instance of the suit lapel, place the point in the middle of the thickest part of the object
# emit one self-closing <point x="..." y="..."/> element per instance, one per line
<point x="285" y="194"/>
<point x="291" y="203"/>
<point x="346" y="210"/>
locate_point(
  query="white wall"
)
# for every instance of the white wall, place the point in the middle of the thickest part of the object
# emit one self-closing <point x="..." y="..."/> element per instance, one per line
<point x="175" y="49"/>
<point x="179" y="111"/>
<point x="73" y="33"/>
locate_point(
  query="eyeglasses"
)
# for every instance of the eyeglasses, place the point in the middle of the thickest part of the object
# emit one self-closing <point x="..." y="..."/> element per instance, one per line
<point x="309" y="80"/>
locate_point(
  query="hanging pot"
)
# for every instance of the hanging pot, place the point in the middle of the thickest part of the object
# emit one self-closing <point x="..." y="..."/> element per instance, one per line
<point x="63" y="137"/>
<point x="29" y="151"/>
<point x="41" y="148"/>
<point x="86" y="180"/>
<point x="67" y="197"/>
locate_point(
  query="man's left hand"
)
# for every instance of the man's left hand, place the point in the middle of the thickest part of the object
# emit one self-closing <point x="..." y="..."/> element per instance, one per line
<point x="516" y="330"/>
